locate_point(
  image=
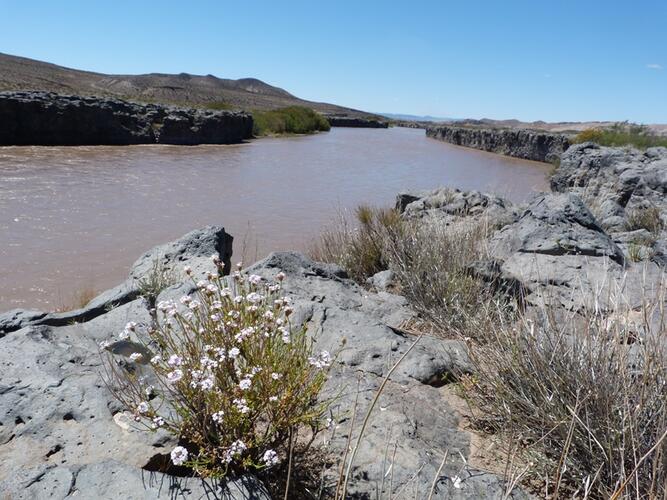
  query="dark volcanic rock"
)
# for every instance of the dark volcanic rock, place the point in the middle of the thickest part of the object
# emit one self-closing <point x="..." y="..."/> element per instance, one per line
<point x="520" y="143"/>
<point x="351" y="121"/>
<point x="47" y="119"/>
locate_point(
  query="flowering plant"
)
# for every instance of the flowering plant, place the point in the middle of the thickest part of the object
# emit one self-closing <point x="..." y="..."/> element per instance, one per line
<point x="233" y="379"/>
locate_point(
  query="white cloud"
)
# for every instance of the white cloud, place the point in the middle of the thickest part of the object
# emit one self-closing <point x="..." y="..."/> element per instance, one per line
<point x="654" y="66"/>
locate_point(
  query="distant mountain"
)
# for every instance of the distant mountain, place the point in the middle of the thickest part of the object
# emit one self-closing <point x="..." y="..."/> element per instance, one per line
<point x="19" y="73"/>
<point x="416" y="118"/>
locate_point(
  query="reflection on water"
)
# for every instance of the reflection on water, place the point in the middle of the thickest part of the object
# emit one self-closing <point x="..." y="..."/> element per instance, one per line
<point x="77" y="217"/>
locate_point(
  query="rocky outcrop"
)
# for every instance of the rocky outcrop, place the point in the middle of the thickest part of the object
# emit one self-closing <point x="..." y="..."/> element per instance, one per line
<point x="63" y="434"/>
<point x="519" y="143"/>
<point x="47" y="119"/>
<point x="551" y="250"/>
<point x="615" y="180"/>
<point x="355" y="122"/>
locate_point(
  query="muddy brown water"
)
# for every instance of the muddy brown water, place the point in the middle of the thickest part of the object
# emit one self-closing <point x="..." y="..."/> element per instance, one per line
<point x="75" y="218"/>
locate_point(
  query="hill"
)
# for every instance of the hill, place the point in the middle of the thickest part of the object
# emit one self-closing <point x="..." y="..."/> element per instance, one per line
<point x="20" y="73"/>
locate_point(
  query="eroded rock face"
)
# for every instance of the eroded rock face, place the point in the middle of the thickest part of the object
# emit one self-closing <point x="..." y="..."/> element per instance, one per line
<point x="615" y="180"/>
<point x="354" y="122"/>
<point x="48" y="119"/>
<point x="63" y="434"/>
<point x="519" y="143"/>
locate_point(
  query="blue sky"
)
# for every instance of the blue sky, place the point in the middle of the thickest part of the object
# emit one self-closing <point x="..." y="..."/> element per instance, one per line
<point x="549" y="60"/>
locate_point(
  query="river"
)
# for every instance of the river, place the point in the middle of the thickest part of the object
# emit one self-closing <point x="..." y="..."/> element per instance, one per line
<point x="74" y="218"/>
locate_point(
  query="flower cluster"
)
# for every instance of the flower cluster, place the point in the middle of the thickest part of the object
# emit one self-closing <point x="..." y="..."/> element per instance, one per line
<point x="236" y="376"/>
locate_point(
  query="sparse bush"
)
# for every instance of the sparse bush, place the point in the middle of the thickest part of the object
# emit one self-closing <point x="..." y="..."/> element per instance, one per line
<point x="233" y="379"/>
<point x="645" y="218"/>
<point x="289" y="120"/>
<point x="79" y="299"/>
<point x="362" y="250"/>
<point x="156" y="280"/>
<point x="586" y="397"/>
<point x="430" y="259"/>
<point x="622" y="134"/>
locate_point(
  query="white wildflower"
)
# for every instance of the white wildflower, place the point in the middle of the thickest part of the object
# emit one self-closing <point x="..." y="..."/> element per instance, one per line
<point x="136" y="356"/>
<point x="242" y="405"/>
<point x="104" y="344"/>
<point x="174" y="376"/>
<point x="185" y="300"/>
<point x="270" y="458"/>
<point x="276" y="376"/>
<point x="143" y="407"/>
<point x="254" y="297"/>
<point x="187" y="270"/>
<point x="156" y="360"/>
<point x="217" y="416"/>
<point x="175" y="360"/>
<point x="179" y="455"/>
<point x="157" y="422"/>
<point x="245" y="384"/>
<point x="207" y="384"/>
<point x="322" y="360"/>
<point x="255" y="279"/>
<point x="458" y="482"/>
<point x="280" y="276"/>
<point x="124" y="335"/>
<point x="273" y="399"/>
<point x="234" y="352"/>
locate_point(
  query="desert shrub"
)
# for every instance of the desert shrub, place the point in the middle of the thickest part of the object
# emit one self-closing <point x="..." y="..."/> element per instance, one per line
<point x="79" y="299"/>
<point x="231" y="377"/>
<point x="430" y="258"/>
<point x="645" y="218"/>
<point x="586" y="398"/>
<point x="289" y="120"/>
<point x="432" y="265"/>
<point x="622" y="134"/>
<point x="361" y="249"/>
<point x="159" y="277"/>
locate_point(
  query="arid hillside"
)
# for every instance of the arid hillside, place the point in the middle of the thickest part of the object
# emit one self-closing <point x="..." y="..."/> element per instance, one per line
<point x="19" y="73"/>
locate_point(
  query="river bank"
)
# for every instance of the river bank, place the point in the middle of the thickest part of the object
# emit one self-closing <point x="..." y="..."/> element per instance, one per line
<point x="519" y="143"/>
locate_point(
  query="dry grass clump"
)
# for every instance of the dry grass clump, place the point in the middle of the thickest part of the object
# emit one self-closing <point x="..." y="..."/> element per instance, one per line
<point x="361" y="249"/>
<point x="585" y="397"/>
<point x="232" y="379"/>
<point x="432" y="264"/>
<point x="79" y="299"/>
<point x="645" y="218"/>
<point x="158" y="278"/>
<point x="430" y="259"/>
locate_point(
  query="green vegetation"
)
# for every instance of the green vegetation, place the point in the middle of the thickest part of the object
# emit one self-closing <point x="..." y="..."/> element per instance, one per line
<point x="622" y="134"/>
<point x="234" y="382"/>
<point x="289" y="120"/>
<point x="219" y="106"/>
